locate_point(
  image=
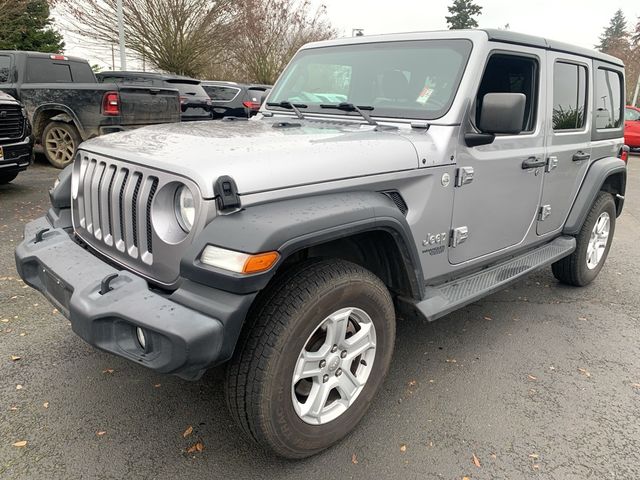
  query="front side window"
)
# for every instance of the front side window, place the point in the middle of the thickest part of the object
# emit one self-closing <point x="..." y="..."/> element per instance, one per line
<point x="408" y="79"/>
<point x="608" y="99"/>
<point x="511" y="74"/>
<point x="5" y="68"/>
<point x="569" y="96"/>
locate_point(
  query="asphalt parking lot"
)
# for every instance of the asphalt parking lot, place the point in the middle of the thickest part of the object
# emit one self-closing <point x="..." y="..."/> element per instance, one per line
<point x="538" y="381"/>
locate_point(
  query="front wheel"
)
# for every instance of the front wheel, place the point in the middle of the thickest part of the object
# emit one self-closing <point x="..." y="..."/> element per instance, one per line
<point x="317" y="351"/>
<point x="592" y="244"/>
<point x="60" y="141"/>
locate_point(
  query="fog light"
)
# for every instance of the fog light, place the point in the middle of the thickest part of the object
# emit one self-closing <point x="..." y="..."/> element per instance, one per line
<point x="142" y="340"/>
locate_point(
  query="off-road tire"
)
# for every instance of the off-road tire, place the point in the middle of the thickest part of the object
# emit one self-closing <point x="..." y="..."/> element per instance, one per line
<point x="67" y="137"/>
<point x="7" y="177"/>
<point x="258" y="379"/>
<point x="573" y="270"/>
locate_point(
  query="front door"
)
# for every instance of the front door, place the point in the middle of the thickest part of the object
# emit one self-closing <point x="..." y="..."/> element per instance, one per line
<point x="568" y="137"/>
<point x="500" y="205"/>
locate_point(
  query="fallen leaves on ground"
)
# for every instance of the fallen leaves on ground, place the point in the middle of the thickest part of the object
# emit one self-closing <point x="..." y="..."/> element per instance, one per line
<point x="488" y="318"/>
<point x="531" y="377"/>
<point x="45" y="404"/>
<point x="15" y="358"/>
<point x="584" y="372"/>
<point x="19" y="387"/>
<point x="635" y="385"/>
<point x="187" y="432"/>
<point x="451" y="360"/>
<point x="108" y="370"/>
<point x="196" y="447"/>
<point x="157" y="385"/>
<point x="403" y="447"/>
<point x="535" y="456"/>
<point x="354" y="459"/>
<point x="101" y="433"/>
<point x="476" y="460"/>
<point x="20" y="444"/>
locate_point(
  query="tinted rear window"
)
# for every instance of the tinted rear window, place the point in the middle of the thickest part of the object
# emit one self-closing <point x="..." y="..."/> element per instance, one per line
<point x="130" y="80"/>
<point x="44" y="70"/>
<point x="188" y="89"/>
<point x="220" y="93"/>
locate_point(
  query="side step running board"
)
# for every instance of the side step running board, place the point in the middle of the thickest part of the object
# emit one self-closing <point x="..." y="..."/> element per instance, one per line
<point x="450" y="296"/>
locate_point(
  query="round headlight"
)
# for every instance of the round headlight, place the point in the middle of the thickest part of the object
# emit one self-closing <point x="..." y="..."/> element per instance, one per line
<point x="185" y="208"/>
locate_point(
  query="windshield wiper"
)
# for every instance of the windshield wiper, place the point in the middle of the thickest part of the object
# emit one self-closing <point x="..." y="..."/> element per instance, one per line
<point x="350" y="107"/>
<point x="289" y="106"/>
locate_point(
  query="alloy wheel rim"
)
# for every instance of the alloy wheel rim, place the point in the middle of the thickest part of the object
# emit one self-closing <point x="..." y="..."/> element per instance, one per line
<point x="60" y="145"/>
<point x="598" y="240"/>
<point x="333" y="366"/>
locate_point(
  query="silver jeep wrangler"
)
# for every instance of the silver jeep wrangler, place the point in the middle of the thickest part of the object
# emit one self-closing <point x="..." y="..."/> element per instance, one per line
<point x="385" y="177"/>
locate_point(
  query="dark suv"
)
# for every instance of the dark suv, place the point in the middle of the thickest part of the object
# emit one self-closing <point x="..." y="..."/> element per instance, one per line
<point x="230" y="99"/>
<point x="15" y="142"/>
<point x="194" y="101"/>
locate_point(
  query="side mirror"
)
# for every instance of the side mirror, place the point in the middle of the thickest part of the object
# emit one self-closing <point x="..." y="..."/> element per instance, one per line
<point x="502" y="113"/>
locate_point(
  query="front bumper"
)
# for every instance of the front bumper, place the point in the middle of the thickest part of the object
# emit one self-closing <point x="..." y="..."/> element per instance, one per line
<point x="186" y="331"/>
<point x="17" y="156"/>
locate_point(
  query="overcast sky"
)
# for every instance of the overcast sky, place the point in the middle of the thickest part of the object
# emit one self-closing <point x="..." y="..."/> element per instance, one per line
<point x="574" y="21"/>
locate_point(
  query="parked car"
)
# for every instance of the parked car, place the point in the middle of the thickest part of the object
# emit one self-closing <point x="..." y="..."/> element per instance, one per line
<point x="15" y="142"/>
<point x="66" y="105"/>
<point x="632" y="127"/>
<point x="230" y="99"/>
<point x="412" y="173"/>
<point x="195" y="104"/>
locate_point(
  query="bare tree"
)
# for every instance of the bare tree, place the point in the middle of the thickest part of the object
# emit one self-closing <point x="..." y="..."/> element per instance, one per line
<point x="268" y="34"/>
<point x="174" y="35"/>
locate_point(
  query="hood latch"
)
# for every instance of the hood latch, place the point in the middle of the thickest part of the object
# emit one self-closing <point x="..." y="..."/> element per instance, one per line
<point x="226" y="192"/>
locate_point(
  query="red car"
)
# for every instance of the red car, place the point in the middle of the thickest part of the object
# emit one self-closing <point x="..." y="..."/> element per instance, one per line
<point x="632" y="127"/>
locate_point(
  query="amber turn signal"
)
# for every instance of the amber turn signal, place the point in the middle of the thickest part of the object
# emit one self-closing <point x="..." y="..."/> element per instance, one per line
<point x="260" y="262"/>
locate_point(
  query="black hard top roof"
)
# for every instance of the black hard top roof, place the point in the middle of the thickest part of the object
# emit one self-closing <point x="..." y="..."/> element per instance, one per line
<point x="507" y="36"/>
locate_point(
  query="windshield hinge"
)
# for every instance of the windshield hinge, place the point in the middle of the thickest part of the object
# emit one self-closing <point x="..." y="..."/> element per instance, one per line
<point x="226" y="193"/>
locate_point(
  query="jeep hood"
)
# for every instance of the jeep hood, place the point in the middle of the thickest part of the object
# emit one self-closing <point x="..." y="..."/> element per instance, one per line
<point x="261" y="155"/>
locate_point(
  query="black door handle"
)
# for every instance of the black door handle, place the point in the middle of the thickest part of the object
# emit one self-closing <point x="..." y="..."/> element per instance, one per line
<point x="580" y="156"/>
<point x="533" y="162"/>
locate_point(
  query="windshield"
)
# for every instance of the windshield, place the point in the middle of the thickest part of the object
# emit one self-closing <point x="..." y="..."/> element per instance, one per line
<point x="631" y="114"/>
<point x="412" y="79"/>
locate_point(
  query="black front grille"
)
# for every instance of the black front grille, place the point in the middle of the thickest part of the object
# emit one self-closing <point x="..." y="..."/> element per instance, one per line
<point x="11" y="123"/>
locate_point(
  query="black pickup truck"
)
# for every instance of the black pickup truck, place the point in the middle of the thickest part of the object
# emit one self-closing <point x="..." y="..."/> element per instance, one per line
<point x="66" y="104"/>
<point x="15" y="141"/>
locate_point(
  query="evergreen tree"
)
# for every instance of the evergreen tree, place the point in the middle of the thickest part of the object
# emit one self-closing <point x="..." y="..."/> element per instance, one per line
<point x="636" y="35"/>
<point x="614" y="34"/>
<point x="462" y="13"/>
<point x="30" y="28"/>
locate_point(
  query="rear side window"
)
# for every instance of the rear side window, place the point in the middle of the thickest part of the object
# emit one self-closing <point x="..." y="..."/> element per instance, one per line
<point x="81" y="72"/>
<point x="43" y="70"/>
<point x="220" y="93"/>
<point x="608" y="99"/>
<point x="511" y="74"/>
<point x="569" y="96"/>
<point x="5" y="68"/>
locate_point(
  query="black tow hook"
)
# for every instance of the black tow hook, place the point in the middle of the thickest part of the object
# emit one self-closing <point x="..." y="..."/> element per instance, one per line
<point x="105" y="285"/>
<point x="40" y="235"/>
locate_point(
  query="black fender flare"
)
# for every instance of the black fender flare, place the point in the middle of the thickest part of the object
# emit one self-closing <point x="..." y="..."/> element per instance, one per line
<point x="290" y="225"/>
<point x="64" y="110"/>
<point x="594" y="180"/>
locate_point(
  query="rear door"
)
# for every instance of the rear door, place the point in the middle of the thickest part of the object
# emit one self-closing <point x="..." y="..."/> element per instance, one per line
<point x="498" y="207"/>
<point x="568" y="137"/>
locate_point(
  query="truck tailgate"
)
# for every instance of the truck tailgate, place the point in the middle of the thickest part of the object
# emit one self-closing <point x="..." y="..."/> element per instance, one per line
<point x="141" y="105"/>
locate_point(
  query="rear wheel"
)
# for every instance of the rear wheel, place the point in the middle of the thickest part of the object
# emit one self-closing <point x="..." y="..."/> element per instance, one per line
<point x="7" y="177"/>
<point x="592" y="244"/>
<point x="59" y="142"/>
<point x="319" y="347"/>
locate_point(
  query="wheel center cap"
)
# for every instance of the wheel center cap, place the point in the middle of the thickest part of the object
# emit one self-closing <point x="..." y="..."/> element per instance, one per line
<point x="333" y="364"/>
